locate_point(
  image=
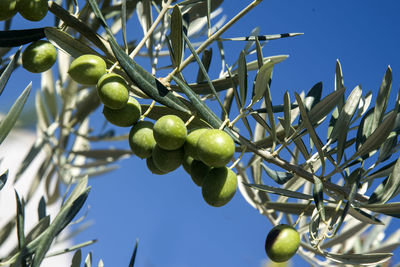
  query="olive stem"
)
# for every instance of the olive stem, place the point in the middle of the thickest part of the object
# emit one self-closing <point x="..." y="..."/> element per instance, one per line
<point x="226" y="121"/>
<point x="238" y="159"/>
<point x="190" y="120"/>
<point x="148" y="110"/>
<point x="302" y="214"/>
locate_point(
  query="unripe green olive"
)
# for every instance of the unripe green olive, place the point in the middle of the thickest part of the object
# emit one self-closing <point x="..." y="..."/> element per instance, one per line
<point x="141" y="140"/>
<point x="167" y="160"/>
<point x="87" y="69"/>
<point x="191" y="142"/>
<point x="126" y="116"/>
<point x="152" y="167"/>
<point x="39" y="56"/>
<point x="33" y="10"/>
<point x="8" y="8"/>
<point x="219" y="186"/>
<point x="187" y="163"/>
<point x="170" y="132"/>
<point x="198" y="171"/>
<point x="215" y="148"/>
<point x="282" y="243"/>
<point x="113" y="90"/>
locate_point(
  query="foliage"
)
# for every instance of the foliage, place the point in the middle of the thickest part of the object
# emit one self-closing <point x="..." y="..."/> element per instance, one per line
<point x="322" y="153"/>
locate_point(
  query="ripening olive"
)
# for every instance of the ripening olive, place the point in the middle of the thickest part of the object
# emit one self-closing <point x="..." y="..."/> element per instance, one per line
<point x="170" y="132"/>
<point x="113" y="90"/>
<point x="8" y="8"/>
<point x="33" y="10"/>
<point x="191" y="142"/>
<point x="167" y="160"/>
<point x="39" y="56"/>
<point x="215" y="148"/>
<point x="126" y="116"/>
<point x="219" y="186"/>
<point x="87" y="69"/>
<point x="152" y="167"/>
<point x="198" y="171"/>
<point x="282" y="243"/>
<point x="141" y="139"/>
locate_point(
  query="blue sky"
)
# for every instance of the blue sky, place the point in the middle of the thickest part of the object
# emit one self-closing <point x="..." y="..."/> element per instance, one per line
<point x="175" y="227"/>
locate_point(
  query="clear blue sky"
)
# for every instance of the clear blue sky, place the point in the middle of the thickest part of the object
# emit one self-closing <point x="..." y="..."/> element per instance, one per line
<point x="175" y="227"/>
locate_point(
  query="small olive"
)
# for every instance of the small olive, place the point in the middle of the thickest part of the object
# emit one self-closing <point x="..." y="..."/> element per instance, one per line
<point x="8" y="8"/>
<point x="33" y="10"/>
<point x="39" y="56"/>
<point x="170" y="132"/>
<point x="141" y="140"/>
<point x="282" y="243"/>
<point x="219" y="186"/>
<point x="167" y="160"/>
<point x="113" y="90"/>
<point x="87" y="69"/>
<point x="215" y="148"/>
<point x="152" y="167"/>
<point x="191" y="142"/>
<point x="198" y="171"/>
<point x="126" y="116"/>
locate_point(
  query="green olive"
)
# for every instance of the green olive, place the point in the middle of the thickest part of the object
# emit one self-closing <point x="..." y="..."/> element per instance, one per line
<point x="198" y="171"/>
<point x="113" y="90"/>
<point x="167" y="160"/>
<point x="141" y="139"/>
<point x="33" y="10"/>
<point x="191" y="142"/>
<point x="126" y="116"/>
<point x="87" y="69"/>
<point x="39" y="56"/>
<point x="187" y="163"/>
<point x="170" y="132"/>
<point x="152" y="167"/>
<point x="8" y="8"/>
<point x="219" y="186"/>
<point x="215" y="148"/>
<point x="282" y="243"/>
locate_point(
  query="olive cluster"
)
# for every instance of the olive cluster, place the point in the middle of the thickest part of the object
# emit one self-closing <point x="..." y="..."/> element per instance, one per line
<point x="120" y="108"/>
<point x="203" y="153"/>
<point x="33" y="10"/>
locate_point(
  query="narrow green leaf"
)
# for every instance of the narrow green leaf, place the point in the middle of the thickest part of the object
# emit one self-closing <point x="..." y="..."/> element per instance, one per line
<point x="311" y="131"/>
<point x="75" y="247"/>
<point x="88" y="260"/>
<point x="280" y="191"/>
<point x="67" y="43"/>
<point x="339" y="85"/>
<point x="20" y="221"/>
<point x="378" y="136"/>
<point x="382" y="99"/>
<point x="364" y="129"/>
<point x="242" y="75"/>
<point x="263" y="37"/>
<point x="359" y="259"/>
<point x="16" y="38"/>
<point x="389" y="188"/>
<point x="391" y="209"/>
<point x="49" y="93"/>
<point x="286" y="114"/>
<point x="313" y="96"/>
<point x="382" y="172"/>
<point x="41" y="111"/>
<point x="76" y="259"/>
<point x="259" y="54"/>
<point x="347" y="112"/>
<point x="177" y="35"/>
<point x="3" y="179"/>
<point x="103" y="153"/>
<point x="323" y="107"/>
<point x="270" y="113"/>
<point x="132" y="261"/>
<point x="278" y="177"/>
<point x="144" y="80"/>
<point x="203" y="88"/>
<point x="206" y="61"/>
<point x="263" y="81"/>
<point x="42" y="208"/>
<point x="11" y="118"/>
<point x="318" y="194"/>
<point x="123" y="22"/>
<point x="5" y="75"/>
